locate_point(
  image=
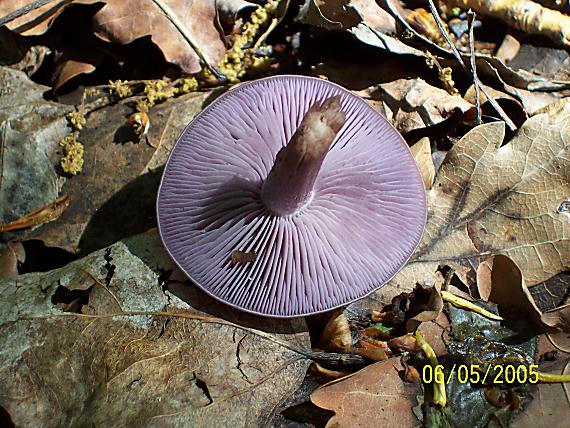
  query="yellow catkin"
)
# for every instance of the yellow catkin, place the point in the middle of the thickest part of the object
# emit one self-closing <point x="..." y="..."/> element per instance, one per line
<point x="72" y="160"/>
<point x="235" y="63"/>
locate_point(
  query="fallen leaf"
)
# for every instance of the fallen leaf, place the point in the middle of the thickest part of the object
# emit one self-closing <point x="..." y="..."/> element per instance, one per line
<point x="124" y="21"/>
<point x="130" y="354"/>
<point x="336" y="336"/>
<point x="422" y="154"/>
<point x="433" y="333"/>
<point x="27" y="178"/>
<point x="11" y="253"/>
<point x="374" y="396"/>
<point x="365" y="19"/>
<point x="19" y="96"/>
<point x="551" y="401"/>
<point x="489" y="199"/>
<point x="47" y="213"/>
<point x="68" y="69"/>
<point x="35" y="22"/>
<point x="509" y="291"/>
<point x="413" y="103"/>
<point x="552" y="292"/>
<point x="430" y="305"/>
<point x="484" y="279"/>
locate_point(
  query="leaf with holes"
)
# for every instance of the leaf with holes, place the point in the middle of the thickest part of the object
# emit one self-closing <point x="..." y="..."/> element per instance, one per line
<point x="99" y="343"/>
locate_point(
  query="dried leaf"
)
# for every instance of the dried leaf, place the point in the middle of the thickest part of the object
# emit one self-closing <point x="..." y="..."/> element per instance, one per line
<point x="551" y="402"/>
<point x="489" y="199"/>
<point x="34" y="22"/>
<point x="127" y="20"/>
<point x="11" y="253"/>
<point x="27" y="178"/>
<point x="68" y="69"/>
<point x="412" y="103"/>
<point x="132" y="354"/>
<point x="45" y="214"/>
<point x="484" y="281"/>
<point x="365" y="19"/>
<point x="422" y="154"/>
<point x="336" y="336"/>
<point x="124" y="21"/>
<point x="374" y="396"/>
<point x="509" y="291"/>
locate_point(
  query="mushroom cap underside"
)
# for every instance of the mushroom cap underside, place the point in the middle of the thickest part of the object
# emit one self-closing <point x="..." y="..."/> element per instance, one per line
<point x="364" y="221"/>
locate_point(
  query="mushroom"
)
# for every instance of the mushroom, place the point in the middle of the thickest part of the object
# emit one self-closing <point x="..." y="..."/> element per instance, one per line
<point x="289" y="196"/>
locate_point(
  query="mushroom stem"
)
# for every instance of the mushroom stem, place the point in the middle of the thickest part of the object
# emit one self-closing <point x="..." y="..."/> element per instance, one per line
<point x="289" y="185"/>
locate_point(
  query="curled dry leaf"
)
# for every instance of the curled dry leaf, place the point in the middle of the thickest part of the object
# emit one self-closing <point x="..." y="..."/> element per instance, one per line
<point x="422" y="154"/>
<point x="34" y="22"/>
<point x="429" y="302"/>
<point x="365" y="19"/>
<point x="336" y="336"/>
<point x="123" y="352"/>
<point x="508" y="290"/>
<point x="412" y="103"/>
<point x="374" y="396"/>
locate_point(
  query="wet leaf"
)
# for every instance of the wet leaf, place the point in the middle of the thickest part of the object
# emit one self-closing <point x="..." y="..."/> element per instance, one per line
<point x="476" y="340"/>
<point x="100" y="343"/>
<point x="375" y="396"/>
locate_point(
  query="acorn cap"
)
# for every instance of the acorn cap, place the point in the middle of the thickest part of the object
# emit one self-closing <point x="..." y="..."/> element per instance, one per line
<point x="357" y="227"/>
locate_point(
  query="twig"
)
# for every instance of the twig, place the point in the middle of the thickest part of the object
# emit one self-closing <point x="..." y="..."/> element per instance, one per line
<point x="471" y="21"/>
<point x="171" y="15"/>
<point x="24" y="10"/>
<point x="459" y="58"/>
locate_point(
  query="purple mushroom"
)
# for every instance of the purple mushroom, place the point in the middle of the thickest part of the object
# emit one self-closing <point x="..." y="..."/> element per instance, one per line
<point x="289" y="196"/>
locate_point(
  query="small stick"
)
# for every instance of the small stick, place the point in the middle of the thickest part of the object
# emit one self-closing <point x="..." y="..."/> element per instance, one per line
<point x="171" y="15"/>
<point x="457" y="55"/>
<point x="24" y="10"/>
<point x="471" y="21"/>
